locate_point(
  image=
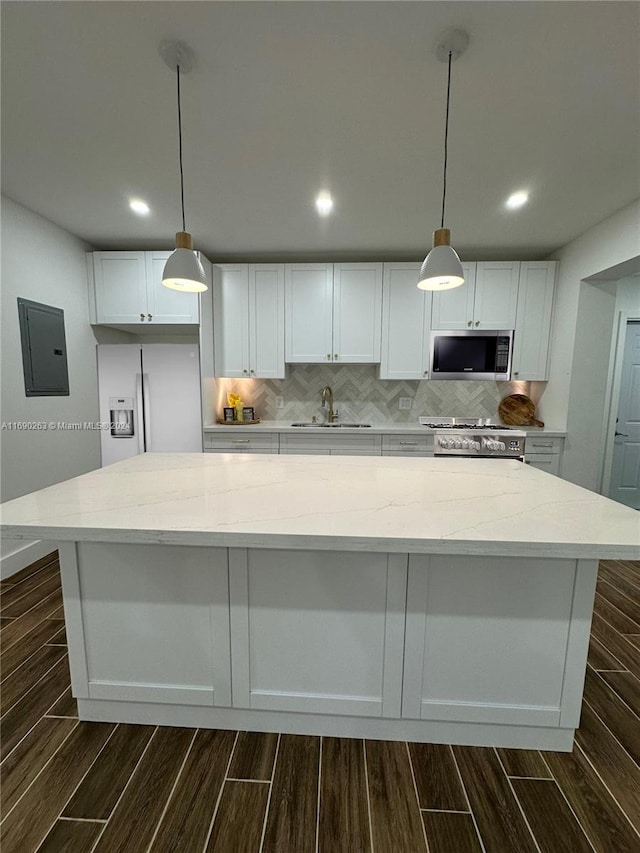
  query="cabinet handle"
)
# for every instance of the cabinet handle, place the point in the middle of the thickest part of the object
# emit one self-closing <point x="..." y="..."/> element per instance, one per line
<point x="244" y="370"/>
<point x="516" y="373"/>
<point x="527" y="462"/>
<point x="534" y="444"/>
<point x="149" y="317"/>
<point x="240" y="441"/>
<point x="142" y="316"/>
<point x="335" y="356"/>
<point x="328" y="356"/>
<point x="252" y="371"/>
<point x="477" y="322"/>
<point x="409" y="443"/>
<point x="470" y="323"/>
<point x="426" y="373"/>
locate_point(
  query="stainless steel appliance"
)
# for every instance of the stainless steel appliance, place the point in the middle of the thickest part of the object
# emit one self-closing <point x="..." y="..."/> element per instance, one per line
<point x="475" y="437"/>
<point x="149" y="399"/>
<point x="476" y="354"/>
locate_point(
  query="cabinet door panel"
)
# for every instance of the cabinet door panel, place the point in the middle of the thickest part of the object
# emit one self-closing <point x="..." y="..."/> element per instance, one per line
<point x="163" y="304"/>
<point x="266" y="321"/>
<point x="230" y="325"/>
<point x="316" y="631"/>
<point x="168" y="646"/>
<point x="357" y="312"/>
<point x="533" y="320"/>
<point x="308" y="317"/>
<point x="121" y="291"/>
<point x="453" y="309"/>
<point x="496" y="295"/>
<point x="487" y="639"/>
<point x="406" y="322"/>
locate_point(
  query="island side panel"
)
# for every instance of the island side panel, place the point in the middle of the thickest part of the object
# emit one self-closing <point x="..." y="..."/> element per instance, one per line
<point x="317" y="631"/>
<point x="493" y="640"/>
<point x="151" y="624"/>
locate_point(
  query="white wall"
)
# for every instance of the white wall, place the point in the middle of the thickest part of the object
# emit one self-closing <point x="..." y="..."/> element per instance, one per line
<point x="42" y="262"/>
<point x="581" y="334"/>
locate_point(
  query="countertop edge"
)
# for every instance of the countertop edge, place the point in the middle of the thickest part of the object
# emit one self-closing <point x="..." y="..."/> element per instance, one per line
<point x="391" y="545"/>
<point x="374" y="429"/>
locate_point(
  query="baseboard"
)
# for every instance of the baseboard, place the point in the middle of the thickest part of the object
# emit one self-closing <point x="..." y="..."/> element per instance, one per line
<point x="23" y="557"/>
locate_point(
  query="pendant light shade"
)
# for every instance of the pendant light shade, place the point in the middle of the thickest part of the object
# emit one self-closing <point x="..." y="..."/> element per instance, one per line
<point x="183" y="269"/>
<point x="441" y="269"/>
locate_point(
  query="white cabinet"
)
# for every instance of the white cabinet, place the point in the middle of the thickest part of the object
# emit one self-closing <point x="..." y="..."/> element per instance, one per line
<point x="407" y="444"/>
<point x="248" y="321"/>
<point x="333" y="312"/>
<point x="406" y="322"/>
<point x="487" y="300"/>
<point x="318" y="632"/>
<point x="127" y="290"/>
<point x="533" y="320"/>
<point x="544" y="453"/>
<point x="235" y="440"/>
<point x="332" y="442"/>
<point x="170" y="646"/>
<point x="475" y="650"/>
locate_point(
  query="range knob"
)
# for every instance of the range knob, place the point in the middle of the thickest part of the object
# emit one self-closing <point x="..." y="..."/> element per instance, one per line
<point x="465" y="444"/>
<point x="443" y="442"/>
<point x="501" y="445"/>
<point x="457" y="444"/>
<point x="475" y="445"/>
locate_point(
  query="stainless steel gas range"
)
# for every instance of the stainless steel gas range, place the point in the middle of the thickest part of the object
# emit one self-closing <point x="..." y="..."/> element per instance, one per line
<point x="475" y="437"/>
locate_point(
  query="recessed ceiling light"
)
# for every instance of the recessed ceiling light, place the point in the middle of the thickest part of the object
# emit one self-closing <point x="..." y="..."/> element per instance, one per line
<point x="324" y="203"/>
<point x="516" y="200"/>
<point x="139" y="207"/>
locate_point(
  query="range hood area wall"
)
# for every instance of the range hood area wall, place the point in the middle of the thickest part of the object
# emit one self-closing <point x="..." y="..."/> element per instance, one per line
<point x="361" y="396"/>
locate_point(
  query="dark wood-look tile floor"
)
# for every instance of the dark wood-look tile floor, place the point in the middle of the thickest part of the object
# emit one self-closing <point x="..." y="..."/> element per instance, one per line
<point x="67" y="785"/>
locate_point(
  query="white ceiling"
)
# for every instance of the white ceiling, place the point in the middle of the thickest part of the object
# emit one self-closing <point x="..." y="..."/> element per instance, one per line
<point x="291" y="97"/>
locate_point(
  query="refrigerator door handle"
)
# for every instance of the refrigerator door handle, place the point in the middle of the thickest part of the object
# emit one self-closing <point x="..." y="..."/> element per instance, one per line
<point x="139" y="409"/>
<point x="146" y="401"/>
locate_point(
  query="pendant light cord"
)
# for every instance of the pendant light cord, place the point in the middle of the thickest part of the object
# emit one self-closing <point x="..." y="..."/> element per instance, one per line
<point x="184" y="227"/>
<point x="446" y="139"/>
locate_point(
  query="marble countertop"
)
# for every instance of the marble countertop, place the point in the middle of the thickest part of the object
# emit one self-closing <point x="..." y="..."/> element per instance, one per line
<point x="370" y="503"/>
<point x="377" y="428"/>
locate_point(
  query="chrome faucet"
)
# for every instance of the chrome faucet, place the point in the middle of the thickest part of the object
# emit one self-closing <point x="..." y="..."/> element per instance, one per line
<point x="327" y="394"/>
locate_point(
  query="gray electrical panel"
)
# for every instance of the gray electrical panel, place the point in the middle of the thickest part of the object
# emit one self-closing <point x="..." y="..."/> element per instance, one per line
<point x="44" y="349"/>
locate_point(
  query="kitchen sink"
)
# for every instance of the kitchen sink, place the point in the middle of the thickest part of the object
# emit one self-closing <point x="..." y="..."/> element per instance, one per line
<point x="332" y="426"/>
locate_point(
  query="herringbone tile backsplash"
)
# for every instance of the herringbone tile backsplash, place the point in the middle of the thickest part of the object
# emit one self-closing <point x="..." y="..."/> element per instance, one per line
<point x="360" y="396"/>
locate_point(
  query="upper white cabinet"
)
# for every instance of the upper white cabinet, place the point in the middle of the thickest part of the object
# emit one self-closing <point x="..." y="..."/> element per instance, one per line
<point x="128" y="290"/>
<point x="248" y="321"/>
<point x="533" y="320"/>
<point x="406" y="321"/>
<point x="333" y="312"/>
<point x="487" y="300"/>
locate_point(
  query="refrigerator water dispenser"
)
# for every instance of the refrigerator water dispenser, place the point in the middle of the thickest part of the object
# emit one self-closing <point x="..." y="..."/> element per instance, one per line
<point x="121" y="417"/>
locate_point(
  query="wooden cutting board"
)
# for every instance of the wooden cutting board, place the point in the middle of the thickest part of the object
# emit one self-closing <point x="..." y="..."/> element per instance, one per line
<point x="518" y="410"/>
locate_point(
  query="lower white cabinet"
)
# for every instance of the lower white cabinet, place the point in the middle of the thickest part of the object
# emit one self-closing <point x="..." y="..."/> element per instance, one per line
<point x="235" y="441"/>
<point x="407" y="444"/>
<point x="155" y="621"/>
<point x="544" y="453"/>
<point x="317" y="632"/>
<point x="463" y="663"/>
<point x="332" y="443"/>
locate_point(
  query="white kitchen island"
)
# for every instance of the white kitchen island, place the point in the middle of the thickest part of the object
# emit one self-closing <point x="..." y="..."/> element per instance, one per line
<point x="427" y="599"/>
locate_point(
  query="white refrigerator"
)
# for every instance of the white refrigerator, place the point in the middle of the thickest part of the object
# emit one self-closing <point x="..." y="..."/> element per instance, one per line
<point x="149" y="399"/>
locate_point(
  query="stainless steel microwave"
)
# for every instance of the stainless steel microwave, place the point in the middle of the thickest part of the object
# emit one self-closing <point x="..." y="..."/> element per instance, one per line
<point x="477" y="354"/>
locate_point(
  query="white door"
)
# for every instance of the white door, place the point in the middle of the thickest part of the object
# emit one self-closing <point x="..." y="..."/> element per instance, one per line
<point x="625" y="469"/>
<point x="231" y="321"/>
<point x="121" y="291"/>
<point x="266" y="321"/>
<point x="453" y="309"/>
<point x="496" y="295"/>
<point x="406" y="320"/>
<point x="357" y="312"/>
<point x="120" y="397"/>
<point x="308" y="319"/>
<point x="163" y="304"/>
<point x="171" y="387"/>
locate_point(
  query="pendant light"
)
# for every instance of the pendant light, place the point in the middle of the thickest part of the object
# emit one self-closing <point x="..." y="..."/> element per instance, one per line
<point x="441" y="269"/>
<point x="183" y="270"/>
